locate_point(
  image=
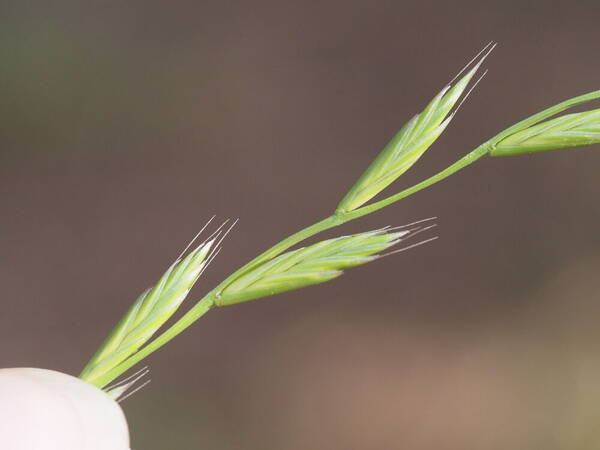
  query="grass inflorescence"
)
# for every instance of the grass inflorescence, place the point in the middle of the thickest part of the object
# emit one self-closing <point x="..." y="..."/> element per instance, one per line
<point x="281" y="268"/>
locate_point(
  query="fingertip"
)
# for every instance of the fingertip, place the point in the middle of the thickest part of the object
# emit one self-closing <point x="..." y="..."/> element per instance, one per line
<point x="47" y="410"/>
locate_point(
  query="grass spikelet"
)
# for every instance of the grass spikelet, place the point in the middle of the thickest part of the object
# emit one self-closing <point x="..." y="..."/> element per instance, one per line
<point x="310" y="265"/>
<point x="413" y="139"/>
<point x="150" y="311"/>
<point x="570" y="130"/>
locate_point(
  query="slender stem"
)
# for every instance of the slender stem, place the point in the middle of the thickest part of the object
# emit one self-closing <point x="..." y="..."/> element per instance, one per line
<point x="211" y="299"/>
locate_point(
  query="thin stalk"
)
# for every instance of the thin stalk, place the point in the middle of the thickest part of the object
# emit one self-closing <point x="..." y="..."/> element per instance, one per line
<point x="208" y="301"/>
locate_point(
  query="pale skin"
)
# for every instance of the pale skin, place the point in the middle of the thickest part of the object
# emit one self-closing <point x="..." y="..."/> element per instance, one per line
<point x="47" y="410"/>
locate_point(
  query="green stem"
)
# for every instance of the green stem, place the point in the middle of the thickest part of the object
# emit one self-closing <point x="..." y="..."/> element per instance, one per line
<point x="211" y="299"/>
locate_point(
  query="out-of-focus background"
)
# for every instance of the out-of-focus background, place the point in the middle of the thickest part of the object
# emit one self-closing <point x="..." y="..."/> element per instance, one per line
<point x="126" y="124"/>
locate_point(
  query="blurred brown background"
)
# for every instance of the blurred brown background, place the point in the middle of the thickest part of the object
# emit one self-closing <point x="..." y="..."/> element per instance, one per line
<point x="126" y="124"/>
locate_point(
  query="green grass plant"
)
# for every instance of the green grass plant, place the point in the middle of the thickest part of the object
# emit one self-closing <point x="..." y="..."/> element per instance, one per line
<point x="281" y="268"/>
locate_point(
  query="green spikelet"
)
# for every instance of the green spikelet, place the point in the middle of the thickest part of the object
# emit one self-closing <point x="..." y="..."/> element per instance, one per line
<point x="407" y="146"/>
<point x="149" y="312"/>
<point x="310" y="265"/>
<point x="570" y="130"/>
